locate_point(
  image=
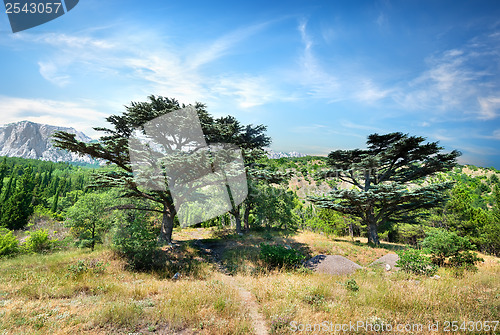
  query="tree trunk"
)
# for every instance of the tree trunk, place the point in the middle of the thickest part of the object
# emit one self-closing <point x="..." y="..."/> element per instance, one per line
<point x="167" y="226"/>
<point x="245" y="217"/>
<point x="235" y="212"/>
<point x="238" y="223"/>
<point x="93" y="237"/>
<point x="372" y="233"/>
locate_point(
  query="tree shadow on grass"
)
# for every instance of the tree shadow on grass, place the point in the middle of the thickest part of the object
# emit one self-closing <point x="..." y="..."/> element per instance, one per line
<point x="382" y="245"/>
<point x="232" y="253"/>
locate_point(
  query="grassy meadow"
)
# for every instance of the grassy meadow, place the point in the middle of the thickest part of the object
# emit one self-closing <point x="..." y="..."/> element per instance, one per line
<point x="75" y="291"/>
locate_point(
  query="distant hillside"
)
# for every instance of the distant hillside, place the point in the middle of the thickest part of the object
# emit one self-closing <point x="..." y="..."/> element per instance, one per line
<point x="28" y="139"/>
<point x="305" y="183"/>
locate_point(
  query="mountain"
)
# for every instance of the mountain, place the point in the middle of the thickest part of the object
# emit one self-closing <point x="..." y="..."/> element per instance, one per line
<point x="28" y="139"/>
<point x="278" y="154"/>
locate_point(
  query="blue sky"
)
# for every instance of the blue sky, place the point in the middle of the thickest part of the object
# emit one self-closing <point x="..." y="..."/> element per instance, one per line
<point x="322" y="75"/>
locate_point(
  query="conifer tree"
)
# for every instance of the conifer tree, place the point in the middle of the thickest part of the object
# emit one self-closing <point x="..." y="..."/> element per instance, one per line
<point x="384" y="179"/>
<point x="113" y="148"/>
<point x="18" y="208"/>
<point x="3" y="172"/>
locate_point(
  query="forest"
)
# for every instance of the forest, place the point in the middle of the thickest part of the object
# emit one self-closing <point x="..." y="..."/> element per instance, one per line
<point x="34" y="191"/>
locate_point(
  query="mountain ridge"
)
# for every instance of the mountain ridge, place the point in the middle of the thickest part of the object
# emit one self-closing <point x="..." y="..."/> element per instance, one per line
<point x="28" y="139"/>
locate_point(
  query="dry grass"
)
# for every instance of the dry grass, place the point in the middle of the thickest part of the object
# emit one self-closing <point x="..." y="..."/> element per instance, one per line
<point x="40" y="295"/>
<point x="394" y="298"/>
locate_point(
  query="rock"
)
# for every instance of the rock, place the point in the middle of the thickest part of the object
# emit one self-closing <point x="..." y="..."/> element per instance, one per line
<point x="387" y="260"/>
<point x="28" y="139"/>
<point x="332" y="264"/>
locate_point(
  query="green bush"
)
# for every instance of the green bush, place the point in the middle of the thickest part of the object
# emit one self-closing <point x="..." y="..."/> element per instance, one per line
<point x="136" y="240"/>
<point x="9" y="244"/>
<point x="38" y="241"/>
<point x="443" y="244"/>
<point x="466" y="260"/>
<point x="414" y="261"/>
<point x="280" y="256"/>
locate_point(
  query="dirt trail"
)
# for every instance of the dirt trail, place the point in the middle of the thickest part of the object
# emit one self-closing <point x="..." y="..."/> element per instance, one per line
<point x="213" y="252"/>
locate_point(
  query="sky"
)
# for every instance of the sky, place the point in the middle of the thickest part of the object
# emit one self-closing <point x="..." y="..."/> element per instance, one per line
<point x="321" y="75"/>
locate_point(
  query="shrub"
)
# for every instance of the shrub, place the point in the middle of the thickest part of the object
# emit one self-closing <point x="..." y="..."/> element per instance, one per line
<point x="136" y="240"/>
<point x="38" y="241"/>
<point x="9" y="244"/>
<point x="466" y="260"/>
<point x="414" y="261"/>
<point x="280" y="256"/>
<point x="443" y="244"/>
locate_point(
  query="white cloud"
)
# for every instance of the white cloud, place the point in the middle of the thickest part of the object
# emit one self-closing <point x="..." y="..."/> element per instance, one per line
<point x="159" y="67"/>
<point x="460" y="82"/>
<point x="352" y="125"/>
<point x="49" y="71"/>
<point x="318" y="82"/>
<point x="248" y="91"/>
<point x="53" y="112"/>
<point x="370" y="92"/>
<point x="447" y="83"/>
<point x="489" y="108"/>
<point x="223" y="45"/>
<point x="61" y="40"/>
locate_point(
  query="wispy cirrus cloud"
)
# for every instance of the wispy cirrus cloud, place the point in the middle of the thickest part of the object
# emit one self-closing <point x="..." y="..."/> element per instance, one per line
<point x="164" y="68"/>
<point x="489" y="107"/>
<point x="462" y="81"/>
<point x="223" y="45"/>
<point x="329" y="81"/>
<point x="319" y="82"/>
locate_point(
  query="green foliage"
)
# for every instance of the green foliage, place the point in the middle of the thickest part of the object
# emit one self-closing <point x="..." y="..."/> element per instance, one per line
<point x="466" y="260"/>
<point x="414" y="261"/>
<point x="38" y="241"/>
<point x="380" y="176"/>
<point x="18" y="207"/>
<point x="82" y="266"/>
<point x="490" y="237"/>
<point x="136" y="240"/>
<point x="274" y="207"/>
<point x="410" y="233"/>
<point x="351" y="285"/>
<point x="9" y="245"/>
<point x="89" y="218"/>
<point x="26" y="184"/>
<point x="443" y="244"/>
<point x="114" y="149"/>
<point x="280" y="256"/>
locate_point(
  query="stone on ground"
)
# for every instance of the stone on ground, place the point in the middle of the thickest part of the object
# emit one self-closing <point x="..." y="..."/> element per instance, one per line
<point x="387" y="260"/>
<point x="332" y="264"/>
